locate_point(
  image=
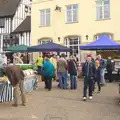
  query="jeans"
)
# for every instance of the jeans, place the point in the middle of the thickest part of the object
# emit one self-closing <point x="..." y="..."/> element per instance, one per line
<point x="73" y="81"/>
<point x="88" y="83"/>
<point x="62" y="80"/>
<point x="102" y="73"/>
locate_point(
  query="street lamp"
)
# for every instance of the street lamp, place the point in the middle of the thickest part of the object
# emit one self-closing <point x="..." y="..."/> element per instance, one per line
<point x="87" y="37"/>
<point x="58" y="8"/>
<point x="59" y="39"/>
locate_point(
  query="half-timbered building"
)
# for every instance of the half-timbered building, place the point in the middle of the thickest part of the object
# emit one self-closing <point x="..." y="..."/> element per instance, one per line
<point x="12" y="14"/>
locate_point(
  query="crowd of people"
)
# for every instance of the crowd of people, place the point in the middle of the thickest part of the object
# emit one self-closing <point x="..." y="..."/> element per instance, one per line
<point x="60" y="67"/>
<point x="94" y="72"/>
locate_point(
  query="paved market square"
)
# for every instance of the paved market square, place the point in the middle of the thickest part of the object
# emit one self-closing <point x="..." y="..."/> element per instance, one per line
<point x="65" y="105"/>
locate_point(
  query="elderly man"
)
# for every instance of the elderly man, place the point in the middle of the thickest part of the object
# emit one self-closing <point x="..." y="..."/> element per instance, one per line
<point x="62" y="70"/>
<point x="16" y="78"/>
<point x="109" y="68"/>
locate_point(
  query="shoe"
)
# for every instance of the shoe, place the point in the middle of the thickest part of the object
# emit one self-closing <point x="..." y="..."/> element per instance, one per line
<point x="98" y="92"/>
<point x="84" y="98"/>
<point x="90" y="97"/>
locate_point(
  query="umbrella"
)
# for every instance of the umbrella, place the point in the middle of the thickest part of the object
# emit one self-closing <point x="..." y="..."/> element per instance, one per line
<point x="50" y="46"/>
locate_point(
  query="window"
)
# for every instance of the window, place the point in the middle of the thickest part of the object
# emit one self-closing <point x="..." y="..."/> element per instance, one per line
<point x="44" y="41"/>
<point x="72" y="13"/>
<point x="2" y="22"/>
<point x="73" y="42"/>
<point x="45" y="17"/>
<point x="103" y="9"/>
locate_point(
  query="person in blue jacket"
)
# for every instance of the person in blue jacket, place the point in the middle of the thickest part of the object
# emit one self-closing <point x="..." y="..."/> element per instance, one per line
<point x="48" y="73"/>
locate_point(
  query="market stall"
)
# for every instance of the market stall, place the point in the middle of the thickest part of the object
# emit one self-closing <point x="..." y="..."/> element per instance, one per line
<point x="49" y="47"/>
<point x="104" y="43"/>
<point x="18" y="48"/>
<point x="6" y="90"/>
<point x="30" y="81"/>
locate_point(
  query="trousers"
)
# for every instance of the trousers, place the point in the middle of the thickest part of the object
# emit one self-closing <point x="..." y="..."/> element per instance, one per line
<point x="17" y="88"/>
<point x="48" y="82"/>
<point x="88" y="84"/>
<point x="109" y="73"/>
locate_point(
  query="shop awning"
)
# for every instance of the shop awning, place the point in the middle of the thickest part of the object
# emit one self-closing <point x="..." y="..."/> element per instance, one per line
<point x="103" y="43"/>
<point x="49" y="47"/>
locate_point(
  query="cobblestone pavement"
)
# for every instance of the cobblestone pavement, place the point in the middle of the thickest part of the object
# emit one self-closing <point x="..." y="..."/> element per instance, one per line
<point x="65" y="105"/>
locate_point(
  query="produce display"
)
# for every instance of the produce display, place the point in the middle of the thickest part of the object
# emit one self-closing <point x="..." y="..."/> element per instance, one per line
<point x="27" y="69"/>
<point x="28" y="72"/>
<point x="4" y="79"/>
<point x="25" y="66"/>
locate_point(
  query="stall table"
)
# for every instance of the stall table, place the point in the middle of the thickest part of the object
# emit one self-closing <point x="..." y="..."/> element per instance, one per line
<point x="6" y="90"/>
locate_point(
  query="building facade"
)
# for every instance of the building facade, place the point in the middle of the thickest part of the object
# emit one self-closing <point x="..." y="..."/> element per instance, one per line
<point x="74" y="22"/>
<point x="12" y="14"/>
<point x="23" y="31"/>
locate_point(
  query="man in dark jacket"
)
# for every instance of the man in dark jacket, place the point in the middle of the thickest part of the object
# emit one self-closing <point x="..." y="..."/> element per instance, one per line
<point x="89" y="75"/>
<point x="73" y="72"/>
<point x="109" y="68"/>
<point x="16" y="78"/>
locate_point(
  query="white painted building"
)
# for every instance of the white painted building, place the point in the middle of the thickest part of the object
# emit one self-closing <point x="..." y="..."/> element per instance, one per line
<point x="12" y="14"/>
